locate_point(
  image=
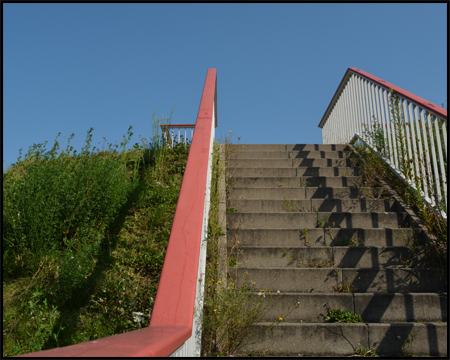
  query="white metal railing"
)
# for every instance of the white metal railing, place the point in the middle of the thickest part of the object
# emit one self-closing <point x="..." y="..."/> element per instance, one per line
<point x="406" y="131"/>
<point x="177" y="133"/>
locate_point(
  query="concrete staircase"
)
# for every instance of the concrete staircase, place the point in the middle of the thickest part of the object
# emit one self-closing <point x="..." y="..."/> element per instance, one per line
<point x="311" y="234"/>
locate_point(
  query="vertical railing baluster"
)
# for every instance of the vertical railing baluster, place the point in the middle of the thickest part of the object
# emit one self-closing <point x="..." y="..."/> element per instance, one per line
<point x="351" y="118"/>
<point x="384" y="93"/>
<point x="346" y="102"/>
<point x="354" y="127"/>
<point x="444" y="132"/>
<point x="428" y="172"/>
<point x="360" y="107"/>
<point x="338" y="112"/>
<point x="433" y="155"/>
<point x="408" y="140"/>
<point x="335" y="125"/>
<point x="441" y="161"/>
<point x="365" y="105"/>
<point x="394" y="136"/>
<point x="412" y="122"/>
<point x="380" y="119"/>
<point x="372" y="110"/>
<point x="376" y="106"/>
<point x="421" y="153"/>
<point x="352" y="99"/>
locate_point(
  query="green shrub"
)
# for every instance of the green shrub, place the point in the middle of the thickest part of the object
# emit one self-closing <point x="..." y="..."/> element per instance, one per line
<point x="61" y="206"/>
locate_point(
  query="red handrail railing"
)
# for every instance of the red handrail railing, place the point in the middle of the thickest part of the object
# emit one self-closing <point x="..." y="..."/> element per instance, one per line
<point x="172" y="317"/>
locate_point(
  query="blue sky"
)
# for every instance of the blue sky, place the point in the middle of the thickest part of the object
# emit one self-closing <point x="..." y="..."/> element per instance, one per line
<point x="69" y="67"/>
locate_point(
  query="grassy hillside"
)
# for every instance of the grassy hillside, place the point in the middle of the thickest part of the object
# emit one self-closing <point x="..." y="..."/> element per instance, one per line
<point x="84" y="240"/>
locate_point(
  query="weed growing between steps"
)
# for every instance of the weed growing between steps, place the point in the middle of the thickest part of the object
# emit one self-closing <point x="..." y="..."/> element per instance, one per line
<point x="84" y="240"/>
<point x="305" y="236"/>
<point x="313" y="263"/>
<point x="408" y="343"/>
<point x="289" y="207"/>
<point x="344" y="285"/>
<point x="229" y="309"/>
<point x="342" y="316"/>
<point x="364" y="352"/>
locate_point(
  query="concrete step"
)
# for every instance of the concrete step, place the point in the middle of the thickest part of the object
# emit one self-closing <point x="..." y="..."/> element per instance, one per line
<point x="340" y="339"/>
<point x="322" y="163"/>
<point x="286" y="163"/>
<point x="333" y="280"/>
<point x="322" y="205"/>
<point x="306" y="193"/>
<point x="316" y="147"/>
<point x="289" y="147"/>
<point x="295" y="182"/>
<point x="389" y="308"/>
<point x="325" y="256"/>
<point x="323" y="237"/>
<point x="292" y="172"/>
<point x="309" y="239"/>
<point x="243" y="153"/>
<point x="256" y="147"/>
<point x="302" y="220"/>
<point x="319" y="154"/>
<point x="382" y="308"/>
<point x="257" y="163"/>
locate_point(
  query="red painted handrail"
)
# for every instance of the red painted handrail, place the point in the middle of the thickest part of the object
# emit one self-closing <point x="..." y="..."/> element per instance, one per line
<point x="174" y="303"/>
<point x="172" y="316"/>
<point x="406" y="94"/>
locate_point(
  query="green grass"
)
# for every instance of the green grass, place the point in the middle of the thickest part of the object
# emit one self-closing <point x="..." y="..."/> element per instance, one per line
<point x="84" y="240"/>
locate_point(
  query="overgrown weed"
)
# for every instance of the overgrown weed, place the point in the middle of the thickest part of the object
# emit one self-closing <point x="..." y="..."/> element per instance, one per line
<point x="84" y="239"/>
<point x="373" y="168"/>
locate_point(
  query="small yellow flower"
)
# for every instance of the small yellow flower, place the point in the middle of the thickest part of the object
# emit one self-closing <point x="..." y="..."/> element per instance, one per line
<point x="254" y="283"/>
<point x="215" y="309"/>
<point x="281" y="319"/>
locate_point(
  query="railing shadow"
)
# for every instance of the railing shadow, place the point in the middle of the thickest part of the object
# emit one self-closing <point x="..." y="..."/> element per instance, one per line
<point x="85" y="290"/>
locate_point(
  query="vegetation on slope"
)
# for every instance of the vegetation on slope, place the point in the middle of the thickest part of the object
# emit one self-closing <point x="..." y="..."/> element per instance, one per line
<point x="84" y="239"/>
